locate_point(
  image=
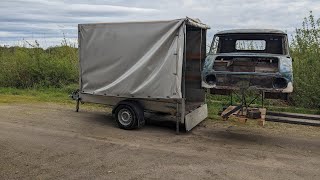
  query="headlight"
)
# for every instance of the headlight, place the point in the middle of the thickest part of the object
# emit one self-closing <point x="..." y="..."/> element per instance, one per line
<point x="211" y="79"/>
<point x="280" y="83"/>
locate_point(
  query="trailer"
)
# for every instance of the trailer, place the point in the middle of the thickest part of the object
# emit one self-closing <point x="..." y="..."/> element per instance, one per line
<point x="138" y="67"/>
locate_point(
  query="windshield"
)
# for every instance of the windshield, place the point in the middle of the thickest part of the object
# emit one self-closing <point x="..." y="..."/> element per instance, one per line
<point x="249" y="43"/>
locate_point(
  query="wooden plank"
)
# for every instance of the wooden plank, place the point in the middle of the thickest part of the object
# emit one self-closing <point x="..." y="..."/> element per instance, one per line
<point x="193" y="77"/>
<point x="229" y="109"/>
<point x="195" y="95"/>
<point x="293" y="120"/>
<point x="193" y="56"/>
<point x="262" y="120"/>
<point x="295" y="115"/>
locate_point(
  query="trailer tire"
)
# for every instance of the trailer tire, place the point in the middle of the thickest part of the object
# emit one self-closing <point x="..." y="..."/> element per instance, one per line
<point x="129" y="115"/>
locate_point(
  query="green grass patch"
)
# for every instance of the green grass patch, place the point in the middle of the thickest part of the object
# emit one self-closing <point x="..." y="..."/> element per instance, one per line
<point x="59" y="95"/>
<point x="217" y="102"/>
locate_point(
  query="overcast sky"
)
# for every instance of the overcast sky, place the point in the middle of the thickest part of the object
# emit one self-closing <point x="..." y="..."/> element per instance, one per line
<point x="47" y="20"/>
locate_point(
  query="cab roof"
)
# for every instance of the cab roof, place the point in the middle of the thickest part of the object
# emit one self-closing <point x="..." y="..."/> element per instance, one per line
<point x="251" y="31"/>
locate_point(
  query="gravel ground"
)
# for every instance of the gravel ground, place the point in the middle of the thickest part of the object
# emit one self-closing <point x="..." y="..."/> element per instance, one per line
<point x="51" y="141"/>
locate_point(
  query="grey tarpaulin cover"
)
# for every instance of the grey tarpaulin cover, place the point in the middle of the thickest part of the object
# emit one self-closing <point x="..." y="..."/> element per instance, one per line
<point x="133" y="59"/>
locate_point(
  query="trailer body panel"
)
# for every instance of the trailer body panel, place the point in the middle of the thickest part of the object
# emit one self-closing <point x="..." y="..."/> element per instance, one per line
<point x="157" y="64"/>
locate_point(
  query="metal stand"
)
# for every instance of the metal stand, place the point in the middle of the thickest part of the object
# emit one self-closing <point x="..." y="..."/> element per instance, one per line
<point x="177" y="126"/>
<point x="76" y="96"/>
<point x="177" y="120"/>
<point x="78" y="105"/>
<point x="244" y="106"/>
<point x="262" y="98"/>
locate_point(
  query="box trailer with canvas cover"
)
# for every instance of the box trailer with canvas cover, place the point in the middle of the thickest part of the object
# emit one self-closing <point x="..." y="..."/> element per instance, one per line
<point x="144" y="66"/>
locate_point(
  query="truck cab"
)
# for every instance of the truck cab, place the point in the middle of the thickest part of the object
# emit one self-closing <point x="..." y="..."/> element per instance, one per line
<point x="252" y="58"/>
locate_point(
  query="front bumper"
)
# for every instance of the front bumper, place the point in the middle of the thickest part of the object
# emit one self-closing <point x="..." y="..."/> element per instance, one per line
<point x="253" y="80"/>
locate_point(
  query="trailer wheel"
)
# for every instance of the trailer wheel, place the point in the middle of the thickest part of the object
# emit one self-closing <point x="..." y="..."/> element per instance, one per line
<point x="129" y="115"/>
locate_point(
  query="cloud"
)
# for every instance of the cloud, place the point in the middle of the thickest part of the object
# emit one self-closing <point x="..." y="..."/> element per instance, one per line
<point x="95" y="9"/>
<point x="49" y="20"/>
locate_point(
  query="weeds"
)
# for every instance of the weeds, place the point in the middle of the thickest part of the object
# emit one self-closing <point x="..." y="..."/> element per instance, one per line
<point x="305" y="50"/>
<point x="23" y="67"/>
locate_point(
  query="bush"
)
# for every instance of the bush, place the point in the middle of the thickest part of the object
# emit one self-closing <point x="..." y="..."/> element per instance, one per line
<point x="305" y="50"/>
<point x="23" y="67"/>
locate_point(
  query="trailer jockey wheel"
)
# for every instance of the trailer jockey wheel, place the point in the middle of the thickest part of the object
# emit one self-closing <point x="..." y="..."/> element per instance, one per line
<point x="129" y="115"/>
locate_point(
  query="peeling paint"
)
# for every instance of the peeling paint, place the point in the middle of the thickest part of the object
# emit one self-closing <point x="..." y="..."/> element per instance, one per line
<point x="275" y="70"/>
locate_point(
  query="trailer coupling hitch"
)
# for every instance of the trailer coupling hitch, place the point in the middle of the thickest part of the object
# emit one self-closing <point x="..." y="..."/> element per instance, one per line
<point x="75" y="95"/>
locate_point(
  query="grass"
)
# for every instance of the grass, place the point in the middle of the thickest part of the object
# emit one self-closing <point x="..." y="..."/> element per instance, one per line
<point x="57" y="95"/>
<point x="61" y="96"/>
<point x="217" y="102"/>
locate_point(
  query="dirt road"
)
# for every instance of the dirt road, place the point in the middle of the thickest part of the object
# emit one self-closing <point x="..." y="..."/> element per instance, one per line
<point x="49" y="141"/>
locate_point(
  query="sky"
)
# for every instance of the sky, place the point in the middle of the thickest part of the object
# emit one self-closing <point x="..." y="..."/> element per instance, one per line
<point x="48" y="21"/>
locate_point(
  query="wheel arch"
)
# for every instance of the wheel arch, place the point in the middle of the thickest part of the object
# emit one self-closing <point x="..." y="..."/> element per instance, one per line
<point x="126" y="102"/>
